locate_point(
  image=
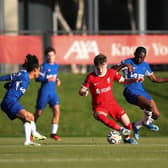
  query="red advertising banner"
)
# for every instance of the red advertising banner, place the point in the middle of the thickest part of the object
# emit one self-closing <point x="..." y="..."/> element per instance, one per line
<point x="14" y="48"/>
<point x="82" y="49"/>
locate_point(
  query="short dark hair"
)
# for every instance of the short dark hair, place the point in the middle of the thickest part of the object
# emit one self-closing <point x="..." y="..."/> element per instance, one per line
<point x="100" y="59"/>
<point x="31" y="62"/>
<point x="139" y="50"/>
<point x="49" y="49"/>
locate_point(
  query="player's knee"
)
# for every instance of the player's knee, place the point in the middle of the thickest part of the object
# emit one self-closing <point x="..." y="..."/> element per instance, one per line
<point x="156" y="115"/>
<point x="29" y="117"/>
<point x="148" y="106"/>
<point x="103" y="118"/>
<point x="38" y="113"/>
<point x="99" y="115"/>
<point x="56" y="112"/>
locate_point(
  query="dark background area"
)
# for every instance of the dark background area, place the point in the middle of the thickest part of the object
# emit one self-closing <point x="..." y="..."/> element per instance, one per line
<point x="113" y="14"/>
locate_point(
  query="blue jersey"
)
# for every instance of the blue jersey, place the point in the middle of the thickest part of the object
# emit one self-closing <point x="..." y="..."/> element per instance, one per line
<point x="139" y="70"/>
<point x="18" y="86"/>
<point x="47" y="92"/>
<point x="136" y="89"/>
<point x="47" y="71"/>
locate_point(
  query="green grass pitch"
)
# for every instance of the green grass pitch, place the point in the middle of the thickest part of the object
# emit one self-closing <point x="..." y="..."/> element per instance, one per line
<point x="83" y="142"/>
<point x="79" y="152"/>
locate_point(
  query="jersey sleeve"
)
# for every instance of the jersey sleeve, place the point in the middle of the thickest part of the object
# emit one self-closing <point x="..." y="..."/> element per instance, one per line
<point x="117" y="76"/>
<point x="8" y="77"/>
<point x="148" y="70"/>
<point x="86" y="82"/>
<point x="125" y="68"/>
<point x="20" y="87"/>
<point x="24" y="86"/>
<point x="42" y="76"/>
<point x="124" y="62"/>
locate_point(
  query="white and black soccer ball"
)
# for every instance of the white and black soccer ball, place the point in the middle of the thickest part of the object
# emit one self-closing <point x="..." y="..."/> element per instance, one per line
<point x="114" y="137"/>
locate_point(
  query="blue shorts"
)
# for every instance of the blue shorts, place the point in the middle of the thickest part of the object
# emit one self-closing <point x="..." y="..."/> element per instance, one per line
<point x="46" y="98"/>
<point x="11" y="108"/>
<point x="131" y="95"/>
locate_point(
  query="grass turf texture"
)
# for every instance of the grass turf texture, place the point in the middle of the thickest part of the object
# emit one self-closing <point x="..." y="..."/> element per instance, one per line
<point x="90" y="152"/>
<point x="76" y="114"/>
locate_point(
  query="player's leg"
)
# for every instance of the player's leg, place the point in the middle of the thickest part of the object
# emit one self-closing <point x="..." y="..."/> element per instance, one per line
<point x="103" y="117"/>
<point x="54" y="103"/>
<point x="28" y="119"/>
<point x="143" y="103"/>
<point x="55" y="122"/>
<point x="143" y="100"/>
<point x="127" y="124"/>
<point x="41" y="103"/>
<point x="35" y="134"/>
<point x="155" y="110"/>
<point x="37" y="114"/>
<point x="131" y="97"/>
<point x="118" y="113"/>
<point x="150" y="116"/>
<point x="151" y="112"/>
<point x="139" y="101"/>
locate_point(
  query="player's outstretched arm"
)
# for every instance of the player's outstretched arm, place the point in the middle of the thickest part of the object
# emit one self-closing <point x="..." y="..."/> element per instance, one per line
<point x="7" y="77"/>
<point x="130" y="80"/>
<point x="156" y="79"/>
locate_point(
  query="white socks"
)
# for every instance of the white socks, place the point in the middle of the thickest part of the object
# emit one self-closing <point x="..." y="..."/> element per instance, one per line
<point x="29" y="128"/>
<point x="54" y="128"/>
<point x="33" y="127"/>
<point x="146" y="120"/>
<point x="27" y="131"/>
<point x="147" y="117"/>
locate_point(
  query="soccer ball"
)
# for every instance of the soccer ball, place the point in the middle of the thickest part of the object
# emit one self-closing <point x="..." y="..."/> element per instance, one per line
<point x="114" y="137"/>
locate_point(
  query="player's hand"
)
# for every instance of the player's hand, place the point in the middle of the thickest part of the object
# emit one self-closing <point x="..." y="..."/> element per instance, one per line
<point x="141" y="79"/>
<point x="130" y="67"/>
<point x="58" y="81"/>
<point x="83" y="92"/>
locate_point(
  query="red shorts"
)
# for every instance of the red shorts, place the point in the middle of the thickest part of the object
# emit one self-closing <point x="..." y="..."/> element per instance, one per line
<point x="114" y="110"/>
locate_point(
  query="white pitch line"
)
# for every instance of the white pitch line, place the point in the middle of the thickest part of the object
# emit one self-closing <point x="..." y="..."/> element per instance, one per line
<point x="87" y="145"/>
<point x="77" y="160"/>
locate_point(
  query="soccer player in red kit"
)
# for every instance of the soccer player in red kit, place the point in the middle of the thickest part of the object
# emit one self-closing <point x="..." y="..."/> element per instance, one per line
<point x="100" y="82"/>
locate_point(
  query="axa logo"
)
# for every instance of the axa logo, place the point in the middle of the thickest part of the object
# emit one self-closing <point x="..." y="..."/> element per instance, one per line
<point x="82" y="49"/>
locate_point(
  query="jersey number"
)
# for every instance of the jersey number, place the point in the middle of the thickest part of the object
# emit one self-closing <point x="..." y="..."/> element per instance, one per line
<point x="22" y="89"/>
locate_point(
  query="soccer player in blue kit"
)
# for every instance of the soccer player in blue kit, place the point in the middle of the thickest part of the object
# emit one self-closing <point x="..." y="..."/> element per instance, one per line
<point x="17" y="86"/>
<point x="47" y="93"/>
<point x="136" y="94"/>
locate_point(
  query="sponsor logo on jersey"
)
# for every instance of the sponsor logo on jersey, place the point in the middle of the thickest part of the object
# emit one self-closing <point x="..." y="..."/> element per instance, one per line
<point x="103" y="90"/>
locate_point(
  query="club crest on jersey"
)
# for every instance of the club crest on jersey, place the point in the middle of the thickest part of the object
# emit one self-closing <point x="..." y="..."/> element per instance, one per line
<point x="49" y="70"/>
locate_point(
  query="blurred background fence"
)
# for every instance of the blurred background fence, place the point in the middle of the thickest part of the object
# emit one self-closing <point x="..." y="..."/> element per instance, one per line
<point x="80" y="29"/>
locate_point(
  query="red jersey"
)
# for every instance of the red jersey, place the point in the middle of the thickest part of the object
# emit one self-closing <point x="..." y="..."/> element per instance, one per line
<point x="101" y="87"/>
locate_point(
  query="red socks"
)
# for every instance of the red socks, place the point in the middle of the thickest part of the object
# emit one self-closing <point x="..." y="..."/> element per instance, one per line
<point x="129" y="126"/>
